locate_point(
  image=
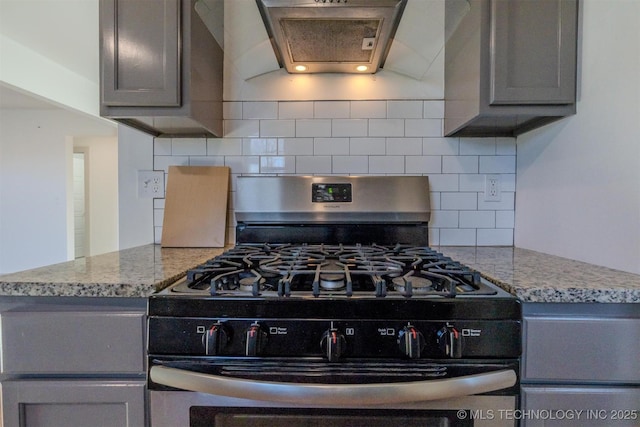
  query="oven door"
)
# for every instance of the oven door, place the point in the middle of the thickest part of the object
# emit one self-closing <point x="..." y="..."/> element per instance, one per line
<point x="182" y="408"/>
<point x="227" y="393"/>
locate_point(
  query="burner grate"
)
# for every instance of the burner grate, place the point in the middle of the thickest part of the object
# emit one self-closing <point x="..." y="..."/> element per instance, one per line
<point x="286" y="270"/>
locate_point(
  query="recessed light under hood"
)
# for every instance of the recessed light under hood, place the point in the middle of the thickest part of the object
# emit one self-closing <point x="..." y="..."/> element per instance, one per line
<point x="331" y="36"/>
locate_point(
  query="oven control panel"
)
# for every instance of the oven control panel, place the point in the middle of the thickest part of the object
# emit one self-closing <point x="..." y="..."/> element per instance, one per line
<point x="334" y="340"/>
<point x="331" y="193"/>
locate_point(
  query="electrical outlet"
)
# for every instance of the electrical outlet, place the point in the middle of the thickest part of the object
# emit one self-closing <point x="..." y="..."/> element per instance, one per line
<point x="492" y="188"/>
<point x="150" y="184"/>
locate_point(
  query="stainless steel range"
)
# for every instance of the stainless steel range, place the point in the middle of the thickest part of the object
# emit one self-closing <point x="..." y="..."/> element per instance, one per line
<point x="332" y="310"/>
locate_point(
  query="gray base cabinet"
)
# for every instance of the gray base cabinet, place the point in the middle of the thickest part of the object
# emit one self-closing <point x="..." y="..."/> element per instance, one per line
<point x="73" y="403"/>
<point x="510" y="66"/>
<point x="161" y="68"/>
<point x="581" y="365"/>
<point x="72" y="362"/>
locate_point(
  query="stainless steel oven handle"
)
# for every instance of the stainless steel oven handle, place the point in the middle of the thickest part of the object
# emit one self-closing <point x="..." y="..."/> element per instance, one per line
<point x="335" y="395"/>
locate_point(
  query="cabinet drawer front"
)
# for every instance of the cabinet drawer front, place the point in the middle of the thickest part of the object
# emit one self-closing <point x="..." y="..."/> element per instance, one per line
<point x="584" y="349"/>
<point x="52" y="403"/>
<point x="72" y="342"/>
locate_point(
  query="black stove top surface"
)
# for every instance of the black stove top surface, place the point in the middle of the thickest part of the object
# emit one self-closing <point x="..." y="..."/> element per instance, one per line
<point x="290" y="271"/>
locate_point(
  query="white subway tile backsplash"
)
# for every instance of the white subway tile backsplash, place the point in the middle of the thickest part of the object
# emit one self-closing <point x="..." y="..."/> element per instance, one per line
<point x="457" y="236"/>
<point x="241" y="128"/>
<point x="459" y="164"/>
<point x="471" y="182"/>
<point x="477" y="219"/>
<point x="367" y="146"/>
<point x="443" y="182"/>
<point x="163" y="162"/>
<point x="330" y="146"/>
<point x="260" y="110"/>
<point x="404" y="146"/>
<point x="435" y="200"/>
<point x="386" y="164"/>
<point x="386" y="127"/>
<point x="423" y="164"/>
<point x="349" y="127"/>
<point x="243" y="164"/>
<point x="423" y="127"/>
<point x="444" y="219"/>
<point x="368" y="109"/>
<point x="162" y="147"/>
<point x="188" y="147"/>
<point x="505" y="219"/>
<point x="404" y="109"/>
<point x="278" y="164"/>
<point x="478" y="146"/>
<point x="313" y="164"/>
<point x="508" y="182"/>
<point x="495" y="237"/>
<point x="433" y="110"/>
<point x="393" y="137"/>
<point x="277" y="128"/>
<point x="224" y="147"/>
<point x="506" y="146"/>
<point x="497" y="164"/>
<point x="459" y="201"/>
<point x="312" y="127"/>
<point x="350" y="165"/>
<point x="331" y="109"/>
<point x="295" y="110"/>
<point x="506" y="203"/>
<point x="440" y="146"/>
<point x="295" y="146"/>
<point x="434" y="236"/>
<point x="206" y="161"/>
<point x="259" y="146"/>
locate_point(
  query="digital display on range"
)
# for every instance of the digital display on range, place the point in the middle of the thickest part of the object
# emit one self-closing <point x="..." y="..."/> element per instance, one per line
<point x="331" y="193"/>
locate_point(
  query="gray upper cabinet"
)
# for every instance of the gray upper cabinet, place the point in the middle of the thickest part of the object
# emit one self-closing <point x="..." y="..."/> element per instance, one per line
<point x="161" y="69"/>
<point x="510" y="65"/>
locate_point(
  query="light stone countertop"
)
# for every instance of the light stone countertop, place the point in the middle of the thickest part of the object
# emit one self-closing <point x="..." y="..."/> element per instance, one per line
<point x="139" y="272"/>
<point x="537" y="277"/>
<point x="135" y="272"/>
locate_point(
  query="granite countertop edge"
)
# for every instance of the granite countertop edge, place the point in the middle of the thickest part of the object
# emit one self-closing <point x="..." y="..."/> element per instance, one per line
<point x="141" y="271"/>
<point x="536" y="277"/>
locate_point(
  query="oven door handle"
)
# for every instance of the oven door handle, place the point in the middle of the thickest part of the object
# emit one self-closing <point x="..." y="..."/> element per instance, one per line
<point x="334" y="395"/>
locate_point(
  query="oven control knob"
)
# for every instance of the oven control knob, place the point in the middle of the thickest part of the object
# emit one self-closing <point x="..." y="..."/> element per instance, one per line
<point x="215" y="339"/>
<point x="255" y="340"/>
<point x="411" y="342"/>
<point x="333" y="344"/>
<point x="449" y="341"/>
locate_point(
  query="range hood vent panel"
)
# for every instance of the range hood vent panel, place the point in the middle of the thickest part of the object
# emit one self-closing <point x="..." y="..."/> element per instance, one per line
<point x="327" y="40"/>
<point x="331" y="37"/>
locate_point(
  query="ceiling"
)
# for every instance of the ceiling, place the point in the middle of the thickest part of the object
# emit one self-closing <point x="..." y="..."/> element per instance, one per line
<point x="62" y="31"/>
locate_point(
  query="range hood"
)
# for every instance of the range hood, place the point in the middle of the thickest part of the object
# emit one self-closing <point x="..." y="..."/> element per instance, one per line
<point x="331" y="36"/>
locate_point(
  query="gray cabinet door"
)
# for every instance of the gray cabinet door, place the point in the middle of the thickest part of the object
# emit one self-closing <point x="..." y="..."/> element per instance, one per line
<point x="584" y="406"/>
<point x="140" y="52"/>
<point x="533" y="51"/>
<point x="77" y="403"/>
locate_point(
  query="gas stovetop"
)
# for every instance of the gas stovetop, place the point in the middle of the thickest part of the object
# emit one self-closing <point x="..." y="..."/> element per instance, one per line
<point x="333" y="271"/>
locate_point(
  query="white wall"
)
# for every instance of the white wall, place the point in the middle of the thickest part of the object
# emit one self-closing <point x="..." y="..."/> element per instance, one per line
<point x="36" y="208"/>
<point x="578" y="181"/>
<point x="135" y="152"/>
